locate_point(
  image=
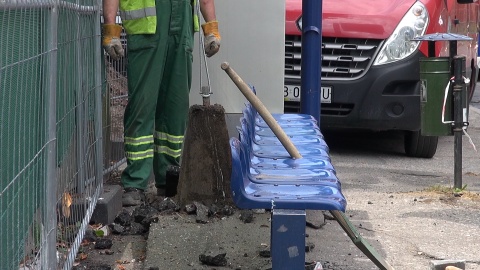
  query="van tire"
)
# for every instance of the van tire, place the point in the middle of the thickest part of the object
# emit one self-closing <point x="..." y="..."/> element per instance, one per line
<point x="417" y="145"/>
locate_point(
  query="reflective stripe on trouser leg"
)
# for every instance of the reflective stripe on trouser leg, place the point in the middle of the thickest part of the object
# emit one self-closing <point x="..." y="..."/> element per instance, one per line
<point x="139" y="154"/>
<point x="167" y="151"/>
<point x="172" y="106"/>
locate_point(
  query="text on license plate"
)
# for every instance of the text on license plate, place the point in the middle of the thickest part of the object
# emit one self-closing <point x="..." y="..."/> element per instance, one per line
<point x="292" y="93"/>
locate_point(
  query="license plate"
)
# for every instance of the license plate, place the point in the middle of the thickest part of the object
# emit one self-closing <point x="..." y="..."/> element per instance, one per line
<point x="293" y="92"/>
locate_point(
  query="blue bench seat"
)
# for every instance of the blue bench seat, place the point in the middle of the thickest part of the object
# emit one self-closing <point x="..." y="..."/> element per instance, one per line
<point x="266" y="195"/>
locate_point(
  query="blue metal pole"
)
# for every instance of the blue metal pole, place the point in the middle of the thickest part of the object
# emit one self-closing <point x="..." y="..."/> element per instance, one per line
<point x="311" y="57"/>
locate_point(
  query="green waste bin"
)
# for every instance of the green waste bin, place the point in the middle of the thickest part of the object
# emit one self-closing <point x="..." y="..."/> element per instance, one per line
<point x="434" y="76"/>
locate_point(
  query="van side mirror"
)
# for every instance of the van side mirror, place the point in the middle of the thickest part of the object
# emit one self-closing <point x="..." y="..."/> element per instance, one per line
<point x="465" y="1"/>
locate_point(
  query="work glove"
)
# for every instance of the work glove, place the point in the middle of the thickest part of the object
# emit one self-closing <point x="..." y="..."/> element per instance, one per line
<point x="111" y="40"/>
<point x="212" y="38"/>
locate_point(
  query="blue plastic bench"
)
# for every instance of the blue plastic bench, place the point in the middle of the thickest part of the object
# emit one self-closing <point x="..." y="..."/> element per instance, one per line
<point x="264" y="176"/>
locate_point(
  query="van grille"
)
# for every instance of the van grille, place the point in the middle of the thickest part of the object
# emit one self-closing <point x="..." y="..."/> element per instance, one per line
<point x="342" y="58"/>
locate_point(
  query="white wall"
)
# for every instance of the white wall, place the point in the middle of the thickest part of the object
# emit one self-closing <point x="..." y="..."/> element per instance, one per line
<point x="253" y="42"/>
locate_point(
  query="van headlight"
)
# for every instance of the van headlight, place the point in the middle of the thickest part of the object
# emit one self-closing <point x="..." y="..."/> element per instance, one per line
<point x="400" y="45"/>
<point x="299" y="24"/>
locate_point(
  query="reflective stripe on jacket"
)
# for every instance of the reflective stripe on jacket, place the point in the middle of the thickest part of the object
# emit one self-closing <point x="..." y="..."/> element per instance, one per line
<point x="196" y="19"/>
<point x="140" y="17"/>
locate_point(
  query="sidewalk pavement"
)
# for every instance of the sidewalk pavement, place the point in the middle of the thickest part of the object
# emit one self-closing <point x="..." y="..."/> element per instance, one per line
<point x="395" y="202"/>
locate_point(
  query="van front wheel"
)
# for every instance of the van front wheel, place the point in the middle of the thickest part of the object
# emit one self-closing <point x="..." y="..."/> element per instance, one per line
<point x="417" y="145"/>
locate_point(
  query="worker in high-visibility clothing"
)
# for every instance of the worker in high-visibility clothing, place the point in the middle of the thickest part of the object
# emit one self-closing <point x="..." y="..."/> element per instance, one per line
<point x="159" y="70"/>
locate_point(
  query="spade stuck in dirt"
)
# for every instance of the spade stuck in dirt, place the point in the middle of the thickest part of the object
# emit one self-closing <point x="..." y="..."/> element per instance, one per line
<point x="206" y="161"/>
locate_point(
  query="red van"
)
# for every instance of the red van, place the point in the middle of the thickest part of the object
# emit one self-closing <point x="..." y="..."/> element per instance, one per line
<point x="370" y="66"/>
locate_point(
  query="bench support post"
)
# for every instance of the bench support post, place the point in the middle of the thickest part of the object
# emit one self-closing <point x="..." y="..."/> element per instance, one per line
<point x="288" y="239"/>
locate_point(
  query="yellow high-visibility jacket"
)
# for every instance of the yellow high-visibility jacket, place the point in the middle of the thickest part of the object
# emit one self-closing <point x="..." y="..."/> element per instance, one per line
<point x="140" y="17"/>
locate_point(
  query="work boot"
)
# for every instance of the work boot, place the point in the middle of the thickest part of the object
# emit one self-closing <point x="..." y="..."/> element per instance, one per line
<point x="133" y="197"/>
<point x="171" y="179"/>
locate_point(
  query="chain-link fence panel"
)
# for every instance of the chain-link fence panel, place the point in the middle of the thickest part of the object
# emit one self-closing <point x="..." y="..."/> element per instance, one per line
<point x="51" y="165"/>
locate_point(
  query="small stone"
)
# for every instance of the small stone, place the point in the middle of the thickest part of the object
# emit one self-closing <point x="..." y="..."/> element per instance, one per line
<point x="217" y="260"/>
<point x="309" y="247"/>
<point x="166" y="205"/>
<point x="117" y="228"/>
<point x="228" y="210"/>
<point x="142" y="212"/>
<point x="246" y="216"/>
<point x="190" y="209"/>
<point x="103" y="243"/>
<point x="202" y="213"/>
<point x="264" y="253"/>
<point x="124" y="218"/>
<point x="145" y="215"/>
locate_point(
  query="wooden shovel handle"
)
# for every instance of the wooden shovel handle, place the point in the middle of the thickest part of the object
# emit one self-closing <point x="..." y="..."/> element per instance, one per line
<point x="262" y="110"/>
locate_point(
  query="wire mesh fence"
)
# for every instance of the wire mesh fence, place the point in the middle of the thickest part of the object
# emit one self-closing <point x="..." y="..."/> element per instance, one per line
<point x="55" y="151"/>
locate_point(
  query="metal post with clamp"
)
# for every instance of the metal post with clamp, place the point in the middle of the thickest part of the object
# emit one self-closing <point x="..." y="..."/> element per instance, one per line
<point x="458" y="115"/>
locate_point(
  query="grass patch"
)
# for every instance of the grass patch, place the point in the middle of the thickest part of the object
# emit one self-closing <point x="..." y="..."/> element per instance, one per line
<point x="457" y="192"/>
<point x="445" y="189"/>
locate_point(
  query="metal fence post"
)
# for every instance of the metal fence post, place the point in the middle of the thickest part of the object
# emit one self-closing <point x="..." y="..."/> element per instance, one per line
<point x="98" y="100"/>
<point x="49" y="235"/>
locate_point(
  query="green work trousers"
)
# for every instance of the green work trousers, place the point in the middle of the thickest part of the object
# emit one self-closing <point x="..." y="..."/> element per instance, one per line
<point x="159" y="74"/>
